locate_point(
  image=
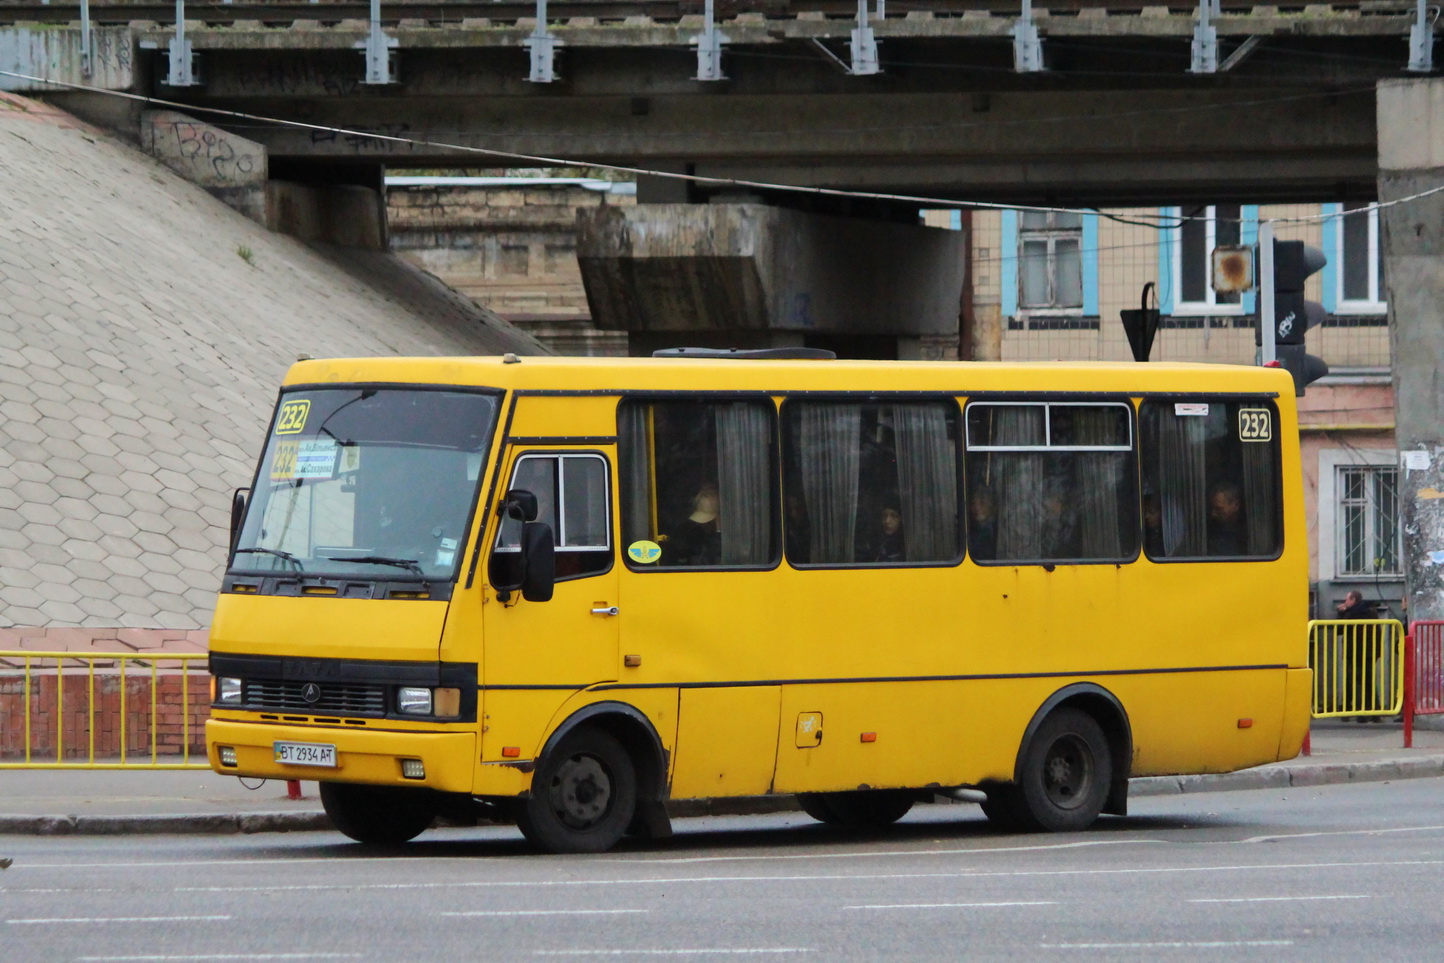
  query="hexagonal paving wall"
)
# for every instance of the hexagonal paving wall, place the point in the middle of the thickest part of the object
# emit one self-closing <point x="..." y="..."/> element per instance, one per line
<point x="144" y="329"/>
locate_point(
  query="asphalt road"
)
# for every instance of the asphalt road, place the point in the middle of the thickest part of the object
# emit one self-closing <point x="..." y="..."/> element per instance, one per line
<point x="1348" y="872"/>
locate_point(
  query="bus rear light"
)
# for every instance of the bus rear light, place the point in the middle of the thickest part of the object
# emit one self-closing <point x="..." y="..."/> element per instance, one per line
<point x="413" y="769"/>
<point x="227" y="755"/>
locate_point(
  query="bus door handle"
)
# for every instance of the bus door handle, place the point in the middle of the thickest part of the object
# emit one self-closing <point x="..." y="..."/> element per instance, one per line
<point x="606" y="610"/>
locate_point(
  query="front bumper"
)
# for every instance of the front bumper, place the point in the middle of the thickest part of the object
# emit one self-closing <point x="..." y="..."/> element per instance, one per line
<point x="369" y="757"/>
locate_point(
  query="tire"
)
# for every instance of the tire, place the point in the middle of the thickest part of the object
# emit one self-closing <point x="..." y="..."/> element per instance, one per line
<point x="857" y="809"/>
<point x="1065" y="773"/>
<point x="378" y="815"/>
<point x="583" y="795"/>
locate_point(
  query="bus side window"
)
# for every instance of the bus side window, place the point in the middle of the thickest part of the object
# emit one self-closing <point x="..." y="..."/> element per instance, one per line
<point x="871" y="484"/>
<point x="577" y="484"/>
<point x="1051" y="481"/>
<point x="698" y="481"/>
<point x="1210" y="479"/>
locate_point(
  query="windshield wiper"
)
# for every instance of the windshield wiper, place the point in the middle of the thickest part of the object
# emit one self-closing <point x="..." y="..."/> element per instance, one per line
<point x="407" y="563"/>
<point x="287" y="556"/>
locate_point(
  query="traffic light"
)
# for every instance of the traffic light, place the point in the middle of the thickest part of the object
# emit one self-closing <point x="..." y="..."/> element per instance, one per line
<point x="1294" y="262"/>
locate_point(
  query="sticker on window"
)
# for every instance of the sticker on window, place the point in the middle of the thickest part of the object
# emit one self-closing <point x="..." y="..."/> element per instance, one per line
<point x="1188" y="408"/>
<point x="316" y="459"/>
<point x="446" y="552"/>
<point x="644" y="552"/>
<point x="283" y="463"/>
<point x="1255" y="424"/>
<point x="293" y="417"/>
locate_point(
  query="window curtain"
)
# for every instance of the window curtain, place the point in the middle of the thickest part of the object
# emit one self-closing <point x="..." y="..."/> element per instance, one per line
<point x="1260" y="497"/>
<point x="1016" y="480"/>
<point x="1101" y="477"/>
<point x="830" y="459"/>
<point x="636" y="461"/>
<point x="744" y="482"/>
<point x="927" y="482"/>
<point x="1182" y="480"/>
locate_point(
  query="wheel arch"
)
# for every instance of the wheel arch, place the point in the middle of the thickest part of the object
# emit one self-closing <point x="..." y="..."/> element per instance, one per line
<point x="1107" y="710"/>
<point x="629" y="726"/>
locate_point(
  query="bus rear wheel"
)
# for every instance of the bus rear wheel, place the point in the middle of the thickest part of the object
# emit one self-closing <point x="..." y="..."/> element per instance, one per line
<point x="1065" y="773"/>
<point x="378" y="814"/>
<point x="857" y="809"/>
<point x="583" y="795"/>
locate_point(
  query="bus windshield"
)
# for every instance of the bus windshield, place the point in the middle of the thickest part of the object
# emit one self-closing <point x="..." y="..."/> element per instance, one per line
<point x="373" y="483"/>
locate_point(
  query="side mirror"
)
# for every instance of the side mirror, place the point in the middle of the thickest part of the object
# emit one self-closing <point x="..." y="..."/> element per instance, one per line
<point x="238" y="512"/>
<point x="520" y="505"/>
<point x="539" y="566"/>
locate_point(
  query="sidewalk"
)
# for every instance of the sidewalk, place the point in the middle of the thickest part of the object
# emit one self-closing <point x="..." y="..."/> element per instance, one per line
<point x="106" y="802"/>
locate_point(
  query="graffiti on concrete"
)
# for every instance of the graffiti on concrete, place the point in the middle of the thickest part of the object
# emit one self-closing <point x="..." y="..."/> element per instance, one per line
<point x="311" y="75"/>
<point x="205" y="146"/>
<point x="362" y="139"/>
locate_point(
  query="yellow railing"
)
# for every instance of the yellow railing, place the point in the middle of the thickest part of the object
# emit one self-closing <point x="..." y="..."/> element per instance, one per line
<point x="1358" y="667"/>
<point x="162" y="716"/>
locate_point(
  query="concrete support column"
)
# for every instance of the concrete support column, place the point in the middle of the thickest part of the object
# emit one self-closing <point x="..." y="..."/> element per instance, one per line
<point x="1411" y="160"/>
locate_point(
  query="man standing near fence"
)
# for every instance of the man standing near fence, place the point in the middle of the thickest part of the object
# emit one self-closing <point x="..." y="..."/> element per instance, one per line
<point x="1359" y="656"/>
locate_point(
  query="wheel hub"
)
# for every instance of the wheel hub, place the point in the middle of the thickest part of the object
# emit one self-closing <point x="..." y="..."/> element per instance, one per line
<point x="580" y="792"/>
<point x="1067" y="772"/>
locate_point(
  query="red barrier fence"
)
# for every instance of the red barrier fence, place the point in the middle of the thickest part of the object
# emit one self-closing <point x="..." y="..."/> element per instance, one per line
<point x="1423" y="674"/>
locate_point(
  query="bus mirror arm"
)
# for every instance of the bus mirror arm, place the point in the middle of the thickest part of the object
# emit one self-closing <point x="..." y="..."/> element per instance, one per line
<point x="238" y="512"/>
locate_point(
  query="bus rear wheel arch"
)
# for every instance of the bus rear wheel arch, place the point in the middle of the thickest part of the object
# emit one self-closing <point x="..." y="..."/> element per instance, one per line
<point x="583" y="796"/>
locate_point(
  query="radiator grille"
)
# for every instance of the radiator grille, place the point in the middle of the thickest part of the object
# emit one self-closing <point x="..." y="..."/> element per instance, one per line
<point x="355" y="700"/>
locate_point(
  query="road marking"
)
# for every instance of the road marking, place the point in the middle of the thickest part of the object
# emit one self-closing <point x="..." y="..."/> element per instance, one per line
<point x="116" y="919"/>
<point x="816" y="877"/>
<point x="1340" y="832"/>
<point x="750" y="951"/>
<point x="891" y="852"/>
<point x="226" y="956"/>
<point x="1176" y="945"/>
<point x="1272" y="899"/>
<point x="888" y="906"/>
<point x="565" y="912"/>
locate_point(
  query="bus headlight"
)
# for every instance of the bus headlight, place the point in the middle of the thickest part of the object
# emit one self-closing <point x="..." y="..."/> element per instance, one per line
<point x="414" y="701"/>
<point x="228" y="690"/>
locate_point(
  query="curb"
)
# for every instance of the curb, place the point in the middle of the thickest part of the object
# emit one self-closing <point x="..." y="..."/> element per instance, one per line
<point x="1263" y="777"/>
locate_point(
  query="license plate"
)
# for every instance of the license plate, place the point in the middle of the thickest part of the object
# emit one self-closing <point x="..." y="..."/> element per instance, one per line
<point x="305" y="754"/>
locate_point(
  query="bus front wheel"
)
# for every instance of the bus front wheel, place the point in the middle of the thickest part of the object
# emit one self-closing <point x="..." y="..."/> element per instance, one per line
<point x="583" y="795"/>
<point x="857" y="809"/>
<point x="1065" y="773"/>
<point x="377" y="814"/>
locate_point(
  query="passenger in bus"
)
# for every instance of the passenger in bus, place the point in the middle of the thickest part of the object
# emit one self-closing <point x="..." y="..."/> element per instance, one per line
<point x="982" y="523"/>
<point x="1225" y="520"/>
<point x="887" y="544"/>
<point x="698" y="540"/>
<point x="1061" y="536"/>
<point x="1153" y="525"/>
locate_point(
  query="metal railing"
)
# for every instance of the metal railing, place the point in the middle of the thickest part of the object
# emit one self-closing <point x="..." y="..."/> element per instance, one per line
<point x="1358" y="667"/>
<point x="1423" y="674"/>
<point x="103" y="710"/>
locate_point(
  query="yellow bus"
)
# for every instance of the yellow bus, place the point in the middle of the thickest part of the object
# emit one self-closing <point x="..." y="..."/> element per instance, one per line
<point x="567" y="591"/>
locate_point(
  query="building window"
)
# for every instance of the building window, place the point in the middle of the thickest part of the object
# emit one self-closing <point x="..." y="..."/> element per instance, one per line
<point x="1367" y="539"/>
<point x="1359" y="278"/>
<point x="1050" y="264"/>
<point x="1202" y="228"/>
